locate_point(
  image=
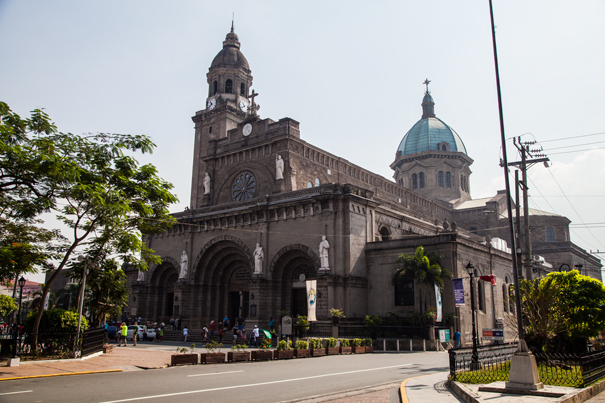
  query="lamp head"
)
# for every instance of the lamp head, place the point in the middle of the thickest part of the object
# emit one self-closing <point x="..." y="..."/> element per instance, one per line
<point x="470" y="268"/>
<point x="22" y="282"/>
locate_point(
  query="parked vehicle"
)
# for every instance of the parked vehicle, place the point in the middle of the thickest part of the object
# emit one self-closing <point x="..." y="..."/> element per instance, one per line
<point x="150" y="333"/>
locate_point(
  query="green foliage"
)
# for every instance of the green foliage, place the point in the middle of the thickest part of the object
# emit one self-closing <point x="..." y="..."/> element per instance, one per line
<point x="238" y="347"/>
<point x="192" y="347"/>
<point x="423" y="269"/>
<point x="301" y="345"/>
<point x="283" y="346"/>
<point x="357" y="342"/>
<point x="302" y="321"/>
<point x="345" y="343"/>
<point x="315" y="343"/>
<point x="265" y="344"/>
<point x="283" y="313"/>
<point x="213" y="345"/>
<point x="367" y="342"/>
<point x="182" y="350"/>
<point x="337" y="312"/>
<point x="7" y="305"/>
<point x="106" y="291"/>
<point x="331" y="342"/>
<point x="371" y="321"/>
<point x="56" y="319"/>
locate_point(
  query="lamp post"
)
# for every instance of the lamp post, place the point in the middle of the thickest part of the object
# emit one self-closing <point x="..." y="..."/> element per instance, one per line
<point x="18" y="322"/>
<point x="475" y="355"/>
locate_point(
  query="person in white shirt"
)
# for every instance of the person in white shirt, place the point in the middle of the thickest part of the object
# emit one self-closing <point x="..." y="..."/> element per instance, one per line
<point x="256" y="335"/>
<point x="185" y="333"/>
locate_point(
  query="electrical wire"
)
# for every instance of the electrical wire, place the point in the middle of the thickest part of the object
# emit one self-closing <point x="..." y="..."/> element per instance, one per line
<point x="573" y="137"/>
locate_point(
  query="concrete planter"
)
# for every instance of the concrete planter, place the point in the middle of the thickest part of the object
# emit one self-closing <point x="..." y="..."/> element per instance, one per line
<point x="359" y="350"/>
<point x="212" y="358"/>
<point x="262" y="355"/>
<point x="180" y="359"/>
<point x="284" y="354"/>
<point x="346" y="350"/>
<point x="318" y="352"/>
<point x="332" y="350"/>
<point x="235" y="356"/>
<point x="108" y="348"/>
<point x="302" y="353"/>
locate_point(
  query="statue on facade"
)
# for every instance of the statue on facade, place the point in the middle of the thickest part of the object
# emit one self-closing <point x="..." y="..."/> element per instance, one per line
<point x="259" y="256"/>
<point x="207" y="184"/>
<point x="184" y="261"/>
<point x="323" y="254"/>
<point x="141" y="276"/>
<point x="279" y="167"/>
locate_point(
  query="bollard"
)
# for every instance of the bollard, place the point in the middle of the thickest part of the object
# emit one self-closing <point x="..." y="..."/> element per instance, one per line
<point x="411" y="345"/>
<point x="397" y="345"/>
<point x="424" y="345"/>
<point x="384" y="345"/>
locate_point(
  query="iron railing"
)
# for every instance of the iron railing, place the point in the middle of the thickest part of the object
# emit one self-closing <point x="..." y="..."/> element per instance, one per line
<point x="383" y="332"/>
<point x="554" y="369"/>
<point x="93" y="340"/>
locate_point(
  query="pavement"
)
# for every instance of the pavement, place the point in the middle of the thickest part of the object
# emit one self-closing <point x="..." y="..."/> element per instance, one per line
<point x="427" y="388"/>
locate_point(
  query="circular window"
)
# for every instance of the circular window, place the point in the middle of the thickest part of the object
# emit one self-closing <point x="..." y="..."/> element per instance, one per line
<point x="244" y="187"/>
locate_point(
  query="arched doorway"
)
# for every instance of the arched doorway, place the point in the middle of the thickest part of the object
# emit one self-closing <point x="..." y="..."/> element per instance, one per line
<point x="164" y="278"/>
<point x="239" y="295"/>
<point x="300" y="275"/>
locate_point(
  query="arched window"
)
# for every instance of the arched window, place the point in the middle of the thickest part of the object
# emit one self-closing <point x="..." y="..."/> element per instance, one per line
<point x="422" y="184"/>
<point x="448" y="180"/>
<point x="242" y="90"/>
<point x="414" y="181"/>
<point x="473" y="230"/>
<point x="214" y="88"/>
<point x="228" y="86"/>
<point x="385" y="233"/>
<point x="309" y="185"/>
<point x="462" y="182"/>
<point x="550" y="234"/>
<point x="316" y="181"/>
<point x="480" y="293"/>
<point x="444" y="148"/>
<point x="440" y="179"/>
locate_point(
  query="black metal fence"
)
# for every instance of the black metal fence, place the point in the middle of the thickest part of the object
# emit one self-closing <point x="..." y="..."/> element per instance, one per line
<point x="554" y="369"/>
<point x="93" y="340"/>
<point x="384" y="332"/>
<point x="320" y="331"/>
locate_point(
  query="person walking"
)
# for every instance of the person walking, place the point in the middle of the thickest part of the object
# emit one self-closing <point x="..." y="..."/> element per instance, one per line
<point x="226" y="322"/>
<point x="185" y="334"/>
<point x="204" y="334"/>
<point x="212" y="328"/>
<point x="123" y="336"/>
<point x="457" y="338"/>
<point x="220" y="334"/>
<point x="240" y="323"/>
<point x="271" y="323"/>
<point x="255" y="335"/>
<point x="135" y="335"/>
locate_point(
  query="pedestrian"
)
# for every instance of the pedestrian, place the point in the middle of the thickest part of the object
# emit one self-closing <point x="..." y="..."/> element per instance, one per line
<point x="234" y="330"/>
<point x="161" y="333"/>
<point x="240" y="323"/>
<point x="212" y="327"/>
<point x="243" y="332"/>
<point x="457" y="338"/>
<point x="172" y="324"/>
<point x="185" y="333"/>
<point x="271" y="323"/>
<point x="135" y="335"/>
<point x="226" y="322"/>
<point x="255" y="335"/>
<point x="145" y="332"/>
<point x="204" y="334"/>
<point x="220" y="334"/>
<point x="123" y="335"/>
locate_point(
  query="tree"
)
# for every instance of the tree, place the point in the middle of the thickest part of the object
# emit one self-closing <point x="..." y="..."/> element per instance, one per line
<point x="107" y="199"/>
<point x="423" y="268"/>
<point x="106" y="291"/>
<point x="7" y="305"/>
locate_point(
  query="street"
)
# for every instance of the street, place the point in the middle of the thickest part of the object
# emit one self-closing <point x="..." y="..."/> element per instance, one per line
<point x="273" y="381"/>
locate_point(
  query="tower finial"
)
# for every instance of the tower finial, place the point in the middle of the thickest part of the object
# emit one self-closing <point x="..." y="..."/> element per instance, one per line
<point x="426" y="82"/>
<point x="232" y="21"/>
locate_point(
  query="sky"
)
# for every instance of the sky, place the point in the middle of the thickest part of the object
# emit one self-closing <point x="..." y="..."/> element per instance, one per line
<point x="350" y="72"/>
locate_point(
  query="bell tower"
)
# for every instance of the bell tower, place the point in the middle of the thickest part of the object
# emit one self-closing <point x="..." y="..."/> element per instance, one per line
<point x="227" y="104"/>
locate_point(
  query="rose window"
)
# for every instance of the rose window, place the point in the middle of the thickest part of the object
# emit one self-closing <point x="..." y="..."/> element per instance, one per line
<point x="244" y="187"/>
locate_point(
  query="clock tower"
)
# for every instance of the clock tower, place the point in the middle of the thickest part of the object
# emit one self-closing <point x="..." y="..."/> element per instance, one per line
<point x="227" y="105"/>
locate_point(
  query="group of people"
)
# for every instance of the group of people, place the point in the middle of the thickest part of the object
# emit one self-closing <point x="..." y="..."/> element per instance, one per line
<point x="238" y="331"/>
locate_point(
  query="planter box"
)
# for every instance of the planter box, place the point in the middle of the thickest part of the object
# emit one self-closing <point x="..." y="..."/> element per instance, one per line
<point x="346" y="350"/>
<point x="318" y="352"/>
<point x="284" y="354"/>
<point x="302" y="353"/>
<point x="212" y="358"/>
<point x="107" y="349"/>
<point x="359" y="350"/>
<point x="332" y="350"/>
<point x="369" y="349"/>
<point x="179" y="359"/>
<point x="262" y="355"/>
<point x="235" y="356"/>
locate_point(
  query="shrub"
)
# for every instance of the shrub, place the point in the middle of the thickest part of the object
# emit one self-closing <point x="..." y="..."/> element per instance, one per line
<point x="56" y="319"/>
<point x="337" y="312"/>
<point x="331" y="342"/>
<point x="367" y="342"/>
<point x="357" y="342"/>
<point x="371" y="321"/>
<point x="301" y="345"/>
<point x="283" y="346"/>
<point x="345" y="343"/>
<point x="303" y="322"/>
<point x="315" y="343"/>
<point x="213" y="345"/>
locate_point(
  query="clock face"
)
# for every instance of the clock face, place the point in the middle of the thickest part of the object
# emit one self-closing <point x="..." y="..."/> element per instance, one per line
<point x="211" y="103"/>
<point x="247" y="129"/>
<point x="243" y="105"/>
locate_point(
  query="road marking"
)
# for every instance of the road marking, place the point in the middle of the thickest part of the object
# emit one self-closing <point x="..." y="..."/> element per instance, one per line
<point x="404" y="395"/>
<point x="216" y="373"/>
<point x="252" y="384"/>
<point x="14" y="393"/>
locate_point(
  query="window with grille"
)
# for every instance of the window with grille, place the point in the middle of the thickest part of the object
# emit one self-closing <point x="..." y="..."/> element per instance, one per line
<point x="404" y="293"/>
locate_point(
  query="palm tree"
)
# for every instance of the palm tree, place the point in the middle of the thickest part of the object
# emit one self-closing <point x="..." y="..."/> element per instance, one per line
<point x="424" y="269"/>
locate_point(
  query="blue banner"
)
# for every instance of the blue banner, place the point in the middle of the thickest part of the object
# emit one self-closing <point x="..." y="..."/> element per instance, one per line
<point x="458" y="291"/>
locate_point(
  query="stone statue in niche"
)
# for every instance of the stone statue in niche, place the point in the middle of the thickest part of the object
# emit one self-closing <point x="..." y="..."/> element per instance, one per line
<point x="184" y="261"/>
<point x="259" y="256"/>
<point x="323" y="254"/>
<point x="141" y="276"/>
<point x="207" y="184"/>
<point x="279" y="167"/>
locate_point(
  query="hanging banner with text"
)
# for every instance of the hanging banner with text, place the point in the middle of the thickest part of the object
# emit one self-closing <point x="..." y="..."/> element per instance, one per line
<point x="458" y="291"/>
<point x="311" y="299"/>
<point x="439" y="317"/>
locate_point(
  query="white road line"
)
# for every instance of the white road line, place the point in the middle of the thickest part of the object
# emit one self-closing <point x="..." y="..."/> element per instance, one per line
<point x="216" y="373"/>
<point x="251" y="384"/>
<point x="14" y="393"/>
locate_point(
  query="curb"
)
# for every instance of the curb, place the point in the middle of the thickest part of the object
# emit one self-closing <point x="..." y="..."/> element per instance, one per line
<point x="160" y="367"/>
<point x="402" y="394"/>
<point x="64" y="374"/>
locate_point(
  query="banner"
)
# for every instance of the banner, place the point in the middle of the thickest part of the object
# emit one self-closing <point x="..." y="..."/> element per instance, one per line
<point x="439" y="317"/>
<point x="458" y="291"/>
<point x="311" y="299"/>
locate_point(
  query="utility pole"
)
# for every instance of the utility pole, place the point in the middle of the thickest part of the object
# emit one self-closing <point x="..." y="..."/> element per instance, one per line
<point x="524" y="165"/>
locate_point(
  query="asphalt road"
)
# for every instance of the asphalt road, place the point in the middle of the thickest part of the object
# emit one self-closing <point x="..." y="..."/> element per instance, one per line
<point x="273" y="381"/>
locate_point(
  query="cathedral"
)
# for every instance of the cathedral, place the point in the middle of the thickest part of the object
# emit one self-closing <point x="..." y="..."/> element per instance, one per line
<point x="269" y="212"/>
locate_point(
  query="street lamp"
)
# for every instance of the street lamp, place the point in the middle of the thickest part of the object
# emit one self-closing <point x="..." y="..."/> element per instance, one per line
<point x="16" y="329"/>
<point x="475" y="355"/>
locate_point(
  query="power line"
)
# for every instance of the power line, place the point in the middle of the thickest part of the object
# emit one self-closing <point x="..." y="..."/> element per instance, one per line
<point x="573" y="137"/>
<point x="575" y="145"/>
<point x="577" y="151"/>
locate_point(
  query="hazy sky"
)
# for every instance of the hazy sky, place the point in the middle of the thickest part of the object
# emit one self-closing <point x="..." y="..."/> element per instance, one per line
<point x="350" y="72"/>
